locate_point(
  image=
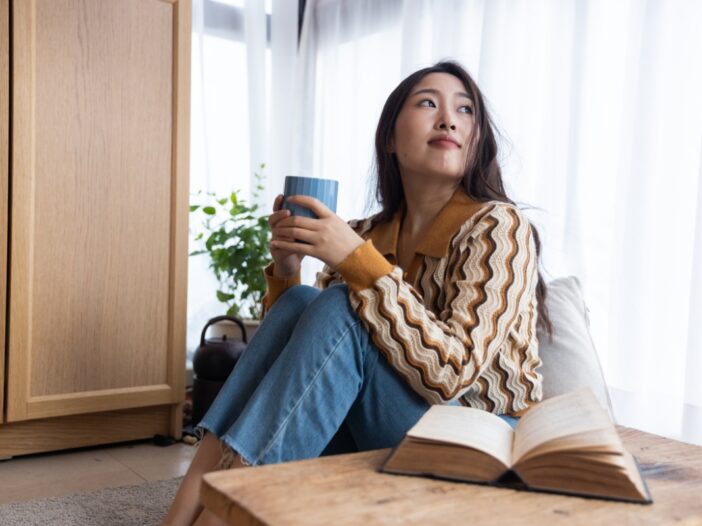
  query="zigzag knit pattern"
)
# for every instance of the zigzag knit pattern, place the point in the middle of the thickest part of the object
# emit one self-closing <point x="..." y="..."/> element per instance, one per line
<point x="465" y="328"/>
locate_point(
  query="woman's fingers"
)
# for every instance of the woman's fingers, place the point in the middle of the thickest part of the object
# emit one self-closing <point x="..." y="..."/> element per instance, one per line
<point x="307" y="223"/>
<point x="290" y="221"/>
<point x="297" y="248"/>
<point x="313" y="204"/>
<point x="293" y="233"/>
<point x="289" y="228"/>
<point x="276" y="217"/>
<point x="278" y="237"/>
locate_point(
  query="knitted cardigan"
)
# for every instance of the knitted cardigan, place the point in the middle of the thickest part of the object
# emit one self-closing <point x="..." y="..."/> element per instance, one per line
<point x="460" y="323"/>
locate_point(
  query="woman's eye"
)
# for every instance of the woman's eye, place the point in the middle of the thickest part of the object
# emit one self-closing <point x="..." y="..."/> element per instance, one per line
<point x="465" y="109"/>
<point x="427" y="102"/>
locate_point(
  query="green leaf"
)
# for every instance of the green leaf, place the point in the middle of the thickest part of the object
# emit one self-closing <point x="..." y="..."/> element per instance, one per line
<point x="210" y="243"/>
<point x="233" y="311"/>
<point x="224" y="297"/>
<point x="238" y="246"/>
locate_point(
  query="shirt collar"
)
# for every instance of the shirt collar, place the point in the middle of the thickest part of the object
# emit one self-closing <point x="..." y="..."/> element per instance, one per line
<point x="459" y="208"/>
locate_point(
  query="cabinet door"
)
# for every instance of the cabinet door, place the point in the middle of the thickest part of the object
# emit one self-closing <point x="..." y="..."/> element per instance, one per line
<point x="4" y="177"/>
<point x="98" y="247"/>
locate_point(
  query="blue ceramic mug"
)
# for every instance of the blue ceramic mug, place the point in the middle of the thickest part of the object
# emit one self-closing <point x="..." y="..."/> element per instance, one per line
<point x="323" y="189"/>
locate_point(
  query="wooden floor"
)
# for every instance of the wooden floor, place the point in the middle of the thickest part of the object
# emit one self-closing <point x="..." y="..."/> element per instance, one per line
<point x="56" y="474"/>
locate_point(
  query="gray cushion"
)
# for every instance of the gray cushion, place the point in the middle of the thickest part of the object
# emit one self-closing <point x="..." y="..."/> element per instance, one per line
<point x="570" y="361"/>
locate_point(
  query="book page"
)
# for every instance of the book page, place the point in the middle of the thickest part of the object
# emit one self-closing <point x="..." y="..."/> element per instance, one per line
<point x="577" y="475"/>
<point x="632" y="471"/>
<point x="569" y="414"/>
<point x="466" y="426"/>
<point x="599" y="441"/>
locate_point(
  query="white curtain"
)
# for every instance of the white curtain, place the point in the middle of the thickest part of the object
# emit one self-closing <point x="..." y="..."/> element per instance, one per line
<point x="243" y="63"/>
<point x="599" y="108"/>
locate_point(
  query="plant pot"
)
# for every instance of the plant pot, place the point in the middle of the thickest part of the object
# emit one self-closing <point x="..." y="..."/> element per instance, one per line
<point x="251" y="327"/>
<point x="233" y="331"/>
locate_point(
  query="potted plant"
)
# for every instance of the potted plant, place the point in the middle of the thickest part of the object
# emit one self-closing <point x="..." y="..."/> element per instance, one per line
<point x="236" y="238"/>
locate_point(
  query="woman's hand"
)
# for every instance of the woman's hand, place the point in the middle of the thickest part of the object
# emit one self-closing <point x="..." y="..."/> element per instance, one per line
<point x="287" y="263"/>
<point x="330" y="238"/>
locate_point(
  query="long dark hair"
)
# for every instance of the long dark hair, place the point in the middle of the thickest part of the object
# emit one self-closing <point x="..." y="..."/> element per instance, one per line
<point x="482" y="179"/>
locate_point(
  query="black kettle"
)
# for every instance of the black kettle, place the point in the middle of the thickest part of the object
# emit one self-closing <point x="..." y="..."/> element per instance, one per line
<point x="213" y="362"/>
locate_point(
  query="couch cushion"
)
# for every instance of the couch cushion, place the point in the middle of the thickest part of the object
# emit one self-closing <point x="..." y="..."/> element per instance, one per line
<point x="570" y="361"/>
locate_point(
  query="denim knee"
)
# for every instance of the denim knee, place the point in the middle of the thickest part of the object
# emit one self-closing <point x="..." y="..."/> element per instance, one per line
<point x="337" y="295"/>
<point x="333" y="301"/>
<point x="298" y="296"/>
<point x="331" y="312"/>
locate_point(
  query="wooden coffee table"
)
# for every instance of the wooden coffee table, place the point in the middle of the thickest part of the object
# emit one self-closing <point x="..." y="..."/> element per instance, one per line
<point x="347" y="489"/>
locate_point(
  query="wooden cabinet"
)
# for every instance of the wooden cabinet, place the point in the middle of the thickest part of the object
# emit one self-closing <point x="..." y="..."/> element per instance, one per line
<point x="94" y="202"/>
<point x="4" y="179"/>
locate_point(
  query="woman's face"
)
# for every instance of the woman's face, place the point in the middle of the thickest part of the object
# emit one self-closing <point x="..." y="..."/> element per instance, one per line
<point x="434" y="127"/>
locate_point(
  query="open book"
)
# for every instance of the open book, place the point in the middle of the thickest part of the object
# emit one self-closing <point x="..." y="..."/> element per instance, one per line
<point x="566" y="444"/>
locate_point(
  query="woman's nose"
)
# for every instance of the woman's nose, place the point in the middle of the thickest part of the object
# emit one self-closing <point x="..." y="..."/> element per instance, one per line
<point x="443" y="125"/>
<point x="446" y="121"/>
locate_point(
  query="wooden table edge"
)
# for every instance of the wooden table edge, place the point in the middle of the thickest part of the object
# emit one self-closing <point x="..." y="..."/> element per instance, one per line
<point x="212" y="499"/>
<point x="229" y="510"/>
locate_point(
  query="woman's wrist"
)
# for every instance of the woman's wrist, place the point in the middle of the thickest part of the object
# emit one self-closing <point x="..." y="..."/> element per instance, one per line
<point x="282" y="275"/>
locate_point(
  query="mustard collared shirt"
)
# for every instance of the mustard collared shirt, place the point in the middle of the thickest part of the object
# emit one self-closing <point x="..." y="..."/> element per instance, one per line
<point x="456" y="212"/>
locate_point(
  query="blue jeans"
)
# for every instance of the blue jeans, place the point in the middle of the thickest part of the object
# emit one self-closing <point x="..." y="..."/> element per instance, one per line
<point x="312" y="382"/>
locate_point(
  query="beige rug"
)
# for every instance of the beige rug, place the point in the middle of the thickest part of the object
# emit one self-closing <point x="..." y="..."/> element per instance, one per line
<point x="142" y="504"/>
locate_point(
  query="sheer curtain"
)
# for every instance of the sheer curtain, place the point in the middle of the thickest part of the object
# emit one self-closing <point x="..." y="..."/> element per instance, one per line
<point x="243" y="60"/>
<point x="600" y="118"/>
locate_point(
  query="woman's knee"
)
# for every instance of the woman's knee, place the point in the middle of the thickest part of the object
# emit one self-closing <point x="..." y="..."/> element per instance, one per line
<point x="315" y="310"/>
<point x="297" y="297"/>
<point x="330" y="303"/>
<point x="330" y="312"/>
<point x="334" y="296"/>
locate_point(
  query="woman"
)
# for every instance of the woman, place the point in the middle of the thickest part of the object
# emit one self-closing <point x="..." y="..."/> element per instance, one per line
<point x="434" y="300"/>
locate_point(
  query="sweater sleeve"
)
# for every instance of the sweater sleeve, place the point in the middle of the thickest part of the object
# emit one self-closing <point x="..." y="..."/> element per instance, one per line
<point x="358" y="270"/>
<point x="275" y="287"/>
<point x="489" y="277"/>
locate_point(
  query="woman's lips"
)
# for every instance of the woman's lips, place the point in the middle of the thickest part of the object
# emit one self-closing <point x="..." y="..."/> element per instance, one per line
<point x="443" y="143"/>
